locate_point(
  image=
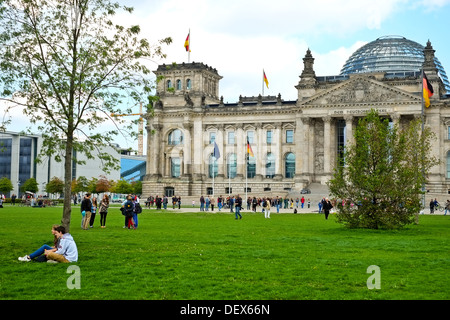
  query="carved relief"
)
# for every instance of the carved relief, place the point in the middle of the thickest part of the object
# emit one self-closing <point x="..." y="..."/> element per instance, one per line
<point x="319" y="147"/>
<point x="360" y="90"/>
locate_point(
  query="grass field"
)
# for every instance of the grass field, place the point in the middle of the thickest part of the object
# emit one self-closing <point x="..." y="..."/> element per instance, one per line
<point x="196" y="256"/>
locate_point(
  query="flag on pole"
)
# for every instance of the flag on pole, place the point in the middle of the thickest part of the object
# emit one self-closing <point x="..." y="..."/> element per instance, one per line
<point x="216" y="152"/>
<point x="186" y="43"/>
<point x="427" y="90"/>
<point x="265" y="79"/>
<point x="249" y="149"/>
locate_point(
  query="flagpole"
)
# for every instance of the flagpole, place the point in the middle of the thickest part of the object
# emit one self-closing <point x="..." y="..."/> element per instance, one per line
<point x="263" y="84"/>
<point x="189" y="51"/>
<point x="423" y="130"/>
<point x="246" y="174"/>
<point x="229" y="181"/>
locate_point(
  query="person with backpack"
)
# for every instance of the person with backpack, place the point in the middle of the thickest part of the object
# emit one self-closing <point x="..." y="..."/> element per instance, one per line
<point x="86" y="207"/>
<point x="137" y="210"/>
<point x="266" y="208"/>
<point x="127" y="211"/>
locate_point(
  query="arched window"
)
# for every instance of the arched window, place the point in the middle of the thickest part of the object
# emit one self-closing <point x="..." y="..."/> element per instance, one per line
<point x="290" y="165"/>
<point x="270" y="165"/>
<point x="251" y="167"/>
<point x="188" y="84"/>
<point x="175" y="137"/>
<point x="178" y="84"/>
<point x="213" y="166"/>
<point x="448" y="165"/>
<point x="175" y="167"/>
<point x="169" y="84"/>
<point x="231" y="165"/>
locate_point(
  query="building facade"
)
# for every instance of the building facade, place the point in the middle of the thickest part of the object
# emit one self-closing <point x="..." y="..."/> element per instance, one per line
<point x="18" y="153"/>
<point x="294" y="143"/>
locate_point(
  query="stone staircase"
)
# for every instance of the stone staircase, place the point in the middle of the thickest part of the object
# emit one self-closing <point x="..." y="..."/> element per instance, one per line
<point x="318" y="191"/>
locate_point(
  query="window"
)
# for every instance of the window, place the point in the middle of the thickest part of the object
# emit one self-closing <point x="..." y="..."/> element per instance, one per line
<point x="188" y="84"/>
<point x="231" y="166"/>
<point x="175" y="137"/>
<point x="212" y="137"/>
<point x="448" y="165"/>
<point x="290" y="165"/>
<point x="250" y="136"/>
<point x="289" y="136"/>
<point x="169" y="84"/>
<point x="270" y="165"/>
<point x="231" y="137"/>
<point x="251" y="167"/>
<point x="5" y="158"/>
<point x="213" y="166"/>
<point x="340" y="141"/>
<point x="169" y="192"/>
<point x="178" y="84"/>
<point x="269" y="137"/>
<point x="25" y="159"/>
<point x="175" y="167"/>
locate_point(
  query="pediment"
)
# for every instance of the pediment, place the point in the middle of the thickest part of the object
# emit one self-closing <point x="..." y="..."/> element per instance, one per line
<point x="361" y="90"/>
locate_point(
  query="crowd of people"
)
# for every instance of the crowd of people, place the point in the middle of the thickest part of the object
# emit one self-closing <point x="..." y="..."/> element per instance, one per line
<point x="235" y="203"/>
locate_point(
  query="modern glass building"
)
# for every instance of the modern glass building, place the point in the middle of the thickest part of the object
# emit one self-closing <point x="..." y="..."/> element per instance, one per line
<point x="395" y="55"/>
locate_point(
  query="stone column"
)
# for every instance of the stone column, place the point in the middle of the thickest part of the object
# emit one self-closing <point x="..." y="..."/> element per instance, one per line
<point x="349" y="128"/>
<point x="304" y="149"/>
<point x="327" y="145"/>
<point x="187" y="149"/>
<point x="260" y="158"/>
<point x="220" y="138"/>
<point x="197" y="150"/>
<point x="156" y="152"/>
<point x="240" y="152"/>
<point x="279" y="155"/>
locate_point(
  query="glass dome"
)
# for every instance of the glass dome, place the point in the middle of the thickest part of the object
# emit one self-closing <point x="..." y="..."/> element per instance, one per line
<point x="393" y="55"/>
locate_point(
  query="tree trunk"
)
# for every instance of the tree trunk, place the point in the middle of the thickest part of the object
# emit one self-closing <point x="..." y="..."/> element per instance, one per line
<point x="67" y="210"/>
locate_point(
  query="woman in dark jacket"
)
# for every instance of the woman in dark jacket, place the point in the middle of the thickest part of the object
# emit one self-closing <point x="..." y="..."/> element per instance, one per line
<point x="327" y="206"/>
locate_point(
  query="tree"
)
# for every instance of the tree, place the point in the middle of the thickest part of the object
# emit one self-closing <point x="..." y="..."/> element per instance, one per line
<point x="383" y="173"/>
<point x="55" y="186"/>
<point x="71" y="67"/>
<point x="81" y="184"/>
<point x="136" y="187"/>
<point x="30" y="185"/>
<point x="123" y="187"/>
<point x="103" y="185"/>
<point x="5" y="185"/>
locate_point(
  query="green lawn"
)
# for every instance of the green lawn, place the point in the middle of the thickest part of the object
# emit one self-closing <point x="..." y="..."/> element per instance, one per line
<point x="193" y="256"/>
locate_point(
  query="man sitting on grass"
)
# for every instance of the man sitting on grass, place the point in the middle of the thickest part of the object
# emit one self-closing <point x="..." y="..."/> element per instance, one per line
<point x="67" y="249"/>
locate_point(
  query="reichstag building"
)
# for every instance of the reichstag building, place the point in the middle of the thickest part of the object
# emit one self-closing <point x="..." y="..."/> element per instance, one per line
<point x="295" y="144"/>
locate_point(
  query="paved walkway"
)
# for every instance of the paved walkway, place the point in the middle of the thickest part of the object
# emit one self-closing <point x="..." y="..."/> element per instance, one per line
<point x="273" y="210"/>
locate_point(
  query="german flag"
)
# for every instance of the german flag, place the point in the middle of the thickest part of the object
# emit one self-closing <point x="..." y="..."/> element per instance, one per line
<point x="186" y="43"/>
<point x="249" y="149"/>
<point x="427" y="90"/>
<point x="265" y="80"/>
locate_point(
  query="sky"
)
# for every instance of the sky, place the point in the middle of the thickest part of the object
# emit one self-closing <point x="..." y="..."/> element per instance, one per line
<point x="241" y="38"/>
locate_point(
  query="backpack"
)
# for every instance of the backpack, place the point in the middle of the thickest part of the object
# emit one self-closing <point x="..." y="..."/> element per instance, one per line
<point x="128" y="208"/>
<point x="137" y="208"/>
